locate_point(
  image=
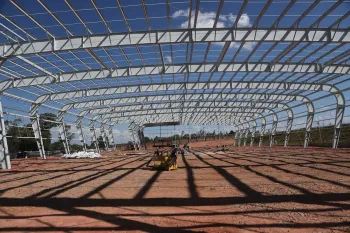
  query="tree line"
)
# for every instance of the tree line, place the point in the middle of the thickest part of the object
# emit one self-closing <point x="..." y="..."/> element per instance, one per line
<point x="21" y="135"/>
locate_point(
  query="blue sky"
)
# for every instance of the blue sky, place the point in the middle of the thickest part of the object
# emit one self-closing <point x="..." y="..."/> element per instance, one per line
<point x="158" y="20"/>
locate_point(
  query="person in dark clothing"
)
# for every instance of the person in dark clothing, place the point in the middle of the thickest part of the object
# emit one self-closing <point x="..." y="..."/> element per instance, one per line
<point x="173" y="155"/>
<point x="183" y="152"/>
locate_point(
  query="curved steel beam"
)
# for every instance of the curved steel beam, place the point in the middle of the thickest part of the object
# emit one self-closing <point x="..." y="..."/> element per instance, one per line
<point x="206" y="115"/>
<point x="142" y="99"/>
<point x="193" y="35"/>
<point x="143" y="106"/>
<point x="176" y="98"/>
<point x="184" y="86"/>
<point x="183" y="68"/>
<point x="142" y="115"/>
<point x="232" y="121"/>
<point x="181" y="86"/>
<point x="333" y="90"/>
<point x="236" y="115"/>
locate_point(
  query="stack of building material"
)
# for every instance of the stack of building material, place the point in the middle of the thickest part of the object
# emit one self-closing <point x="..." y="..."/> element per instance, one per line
<point x="82" y="154"/>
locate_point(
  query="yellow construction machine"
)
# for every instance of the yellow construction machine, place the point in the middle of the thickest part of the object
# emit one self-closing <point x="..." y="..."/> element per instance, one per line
<point x="163" y="159"/>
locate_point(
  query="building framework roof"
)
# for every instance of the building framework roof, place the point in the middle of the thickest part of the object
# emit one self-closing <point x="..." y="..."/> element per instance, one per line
<point x="196" y="62"/>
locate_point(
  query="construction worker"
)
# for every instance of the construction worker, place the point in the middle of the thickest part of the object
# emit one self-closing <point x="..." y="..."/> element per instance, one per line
<point x="173" y="156"/>
<point x="182" y="152"/>
<point x="187" y="146"/>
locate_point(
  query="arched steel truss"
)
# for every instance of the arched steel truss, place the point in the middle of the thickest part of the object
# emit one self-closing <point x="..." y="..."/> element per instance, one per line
<point x="115" y="88"/>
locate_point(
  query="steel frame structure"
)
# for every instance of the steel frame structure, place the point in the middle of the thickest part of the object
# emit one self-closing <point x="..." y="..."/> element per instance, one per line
<point x="247" y="74"/>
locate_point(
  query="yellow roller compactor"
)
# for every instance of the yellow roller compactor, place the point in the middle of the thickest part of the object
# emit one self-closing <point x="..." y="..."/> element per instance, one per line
<point x="164" y="159"/>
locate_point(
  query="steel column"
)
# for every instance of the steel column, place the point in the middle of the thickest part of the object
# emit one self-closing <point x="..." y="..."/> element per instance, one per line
<point x="236" y="137"/>
<point x="240" y="137"/>
<point x="253" y="134"/>
<point x="338" y="118"/>
<point x="133" y="137"/>
<point x="104" y="136"/>
<point x="309" y="121"/>
<point x="273" y="132"/>
<point x="245" y="137"/>
<point x="104" y="139"/>
<point x="288" y="130"/>
<point x="94" y="137"/>
<point x="37" y="134"/>
<point x="111" y="137"/>
<point x="81" y="136"/>
<point x="262" y="131"/>
<point x="63" y="135"/>
<point x="338" y="122"/>
<point x="138" y="139"/>
<point x="63" y="131"/>
<point x="4" y="152"/>
<point x="141" y="139"/>
<point x="142" y="135"/>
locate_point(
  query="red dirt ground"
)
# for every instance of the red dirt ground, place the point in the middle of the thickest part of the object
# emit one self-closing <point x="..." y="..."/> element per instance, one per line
<point x="243" y="190"/>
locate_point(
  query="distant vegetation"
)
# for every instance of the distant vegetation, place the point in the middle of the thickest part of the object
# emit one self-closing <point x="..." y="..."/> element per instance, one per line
<point x="20" y="135"/>
<point x="202" y="134"/>
<point x="320" y="136"/>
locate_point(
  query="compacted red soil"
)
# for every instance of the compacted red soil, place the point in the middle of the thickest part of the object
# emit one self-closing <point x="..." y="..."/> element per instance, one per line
<point x="242" y="190"/>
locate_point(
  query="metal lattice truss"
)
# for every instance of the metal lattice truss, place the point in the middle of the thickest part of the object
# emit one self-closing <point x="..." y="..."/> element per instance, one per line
<point x="205" y="63"/>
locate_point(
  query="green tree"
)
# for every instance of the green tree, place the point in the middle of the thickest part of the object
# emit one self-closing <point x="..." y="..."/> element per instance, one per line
<point x="101" y="144"/>
<point x="76" y="147"/>
<point x="18" y="134"/>
<point x="147" y="139"/>
<point x="46" y="127"/>
<point x="57" y="146"/>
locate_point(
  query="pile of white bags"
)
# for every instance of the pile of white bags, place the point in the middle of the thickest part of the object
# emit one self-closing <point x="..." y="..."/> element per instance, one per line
<point x="82" y="154"/>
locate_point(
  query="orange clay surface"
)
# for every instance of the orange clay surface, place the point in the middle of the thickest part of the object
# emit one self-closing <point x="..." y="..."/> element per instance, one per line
<point x="242" y="190"/>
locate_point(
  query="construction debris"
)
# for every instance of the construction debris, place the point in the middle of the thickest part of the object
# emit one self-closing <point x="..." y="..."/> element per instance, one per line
<point x="82" y="154"/>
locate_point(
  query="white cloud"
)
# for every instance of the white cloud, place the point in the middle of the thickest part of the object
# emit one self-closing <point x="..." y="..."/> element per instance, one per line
<point x="168" y="59"/>
<point x="248" y="45"/>
<point x="207" y="20"/>
<point x="121" y="137"/>
<point x="181" y="13"/>
<point x="244" y="20"/>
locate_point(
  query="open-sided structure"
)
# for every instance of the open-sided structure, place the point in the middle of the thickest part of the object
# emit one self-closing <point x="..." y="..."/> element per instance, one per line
<point x="252" y="64"/>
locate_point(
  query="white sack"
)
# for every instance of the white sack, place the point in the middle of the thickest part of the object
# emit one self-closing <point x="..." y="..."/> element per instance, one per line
<point x="82" y="154"/>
